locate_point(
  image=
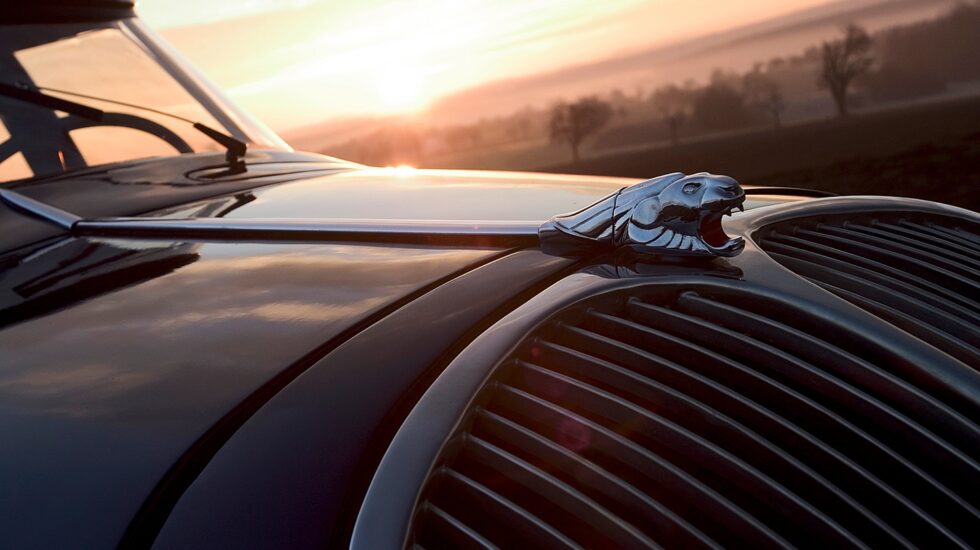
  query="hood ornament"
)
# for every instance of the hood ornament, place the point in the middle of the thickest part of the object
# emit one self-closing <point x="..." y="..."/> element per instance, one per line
<point x="670" y="215"/>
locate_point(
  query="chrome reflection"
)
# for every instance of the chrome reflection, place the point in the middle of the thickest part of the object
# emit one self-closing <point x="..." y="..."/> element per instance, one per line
<point x="73" y="270"/>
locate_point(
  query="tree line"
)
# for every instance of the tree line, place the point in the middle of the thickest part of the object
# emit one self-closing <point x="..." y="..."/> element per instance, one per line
<point x="853" y="69"/>
<point x="728" y="101"/>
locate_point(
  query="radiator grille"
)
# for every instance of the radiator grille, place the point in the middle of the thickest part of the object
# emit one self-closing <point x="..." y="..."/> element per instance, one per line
<point x="700" y="418"/>
<point x="920" y="274"/>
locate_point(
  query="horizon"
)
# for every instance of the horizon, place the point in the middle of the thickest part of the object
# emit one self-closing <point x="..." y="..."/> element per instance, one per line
<point x="391" y="61"/>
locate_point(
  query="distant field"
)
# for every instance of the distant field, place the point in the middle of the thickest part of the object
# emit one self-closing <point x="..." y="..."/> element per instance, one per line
<point x="927" y="151"/>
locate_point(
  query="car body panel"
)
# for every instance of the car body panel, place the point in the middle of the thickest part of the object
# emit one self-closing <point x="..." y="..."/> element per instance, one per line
<point x="289" y="453"/>
<point x="100" y="397"/>
<point x="410" y="194"/>
<point x="125" y="354"/>
<point x="138" y="187"/>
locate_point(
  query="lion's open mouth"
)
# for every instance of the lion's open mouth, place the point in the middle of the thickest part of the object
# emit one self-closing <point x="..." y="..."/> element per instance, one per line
<point x="713" y="234"/>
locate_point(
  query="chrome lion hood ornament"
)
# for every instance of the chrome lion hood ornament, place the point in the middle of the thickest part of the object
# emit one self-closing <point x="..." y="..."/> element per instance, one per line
<point x="671" y="215"/>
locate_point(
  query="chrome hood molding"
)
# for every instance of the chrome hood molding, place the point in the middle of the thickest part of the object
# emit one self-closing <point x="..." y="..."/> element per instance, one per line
<point x="672" y="214"/>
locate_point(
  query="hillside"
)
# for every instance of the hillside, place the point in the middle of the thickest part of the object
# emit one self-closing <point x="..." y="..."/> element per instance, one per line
<point x="693" y="58"/>
<point x="929" y="151"/>
<point x="736" y="49"/>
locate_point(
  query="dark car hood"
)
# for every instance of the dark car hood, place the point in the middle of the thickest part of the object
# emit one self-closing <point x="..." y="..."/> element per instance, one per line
<point x="100" y="397"/>
<point x="117" y="356"/>
<point x="410" y="194"/>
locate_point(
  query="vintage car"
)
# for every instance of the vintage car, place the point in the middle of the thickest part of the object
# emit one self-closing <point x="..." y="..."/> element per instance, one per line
<point x="210" y="340"/>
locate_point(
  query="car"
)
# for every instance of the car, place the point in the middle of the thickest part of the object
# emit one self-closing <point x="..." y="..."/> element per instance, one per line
<point x="210" y="340"/>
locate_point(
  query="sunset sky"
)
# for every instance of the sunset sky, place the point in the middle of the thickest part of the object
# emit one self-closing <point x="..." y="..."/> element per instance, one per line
<point x="295" y="62"/>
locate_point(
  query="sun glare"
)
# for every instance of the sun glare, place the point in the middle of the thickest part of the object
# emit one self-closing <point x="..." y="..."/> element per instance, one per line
<point x="401" y="169"/>
<point x="401" y="89"/>
<point x="315" y="59"/>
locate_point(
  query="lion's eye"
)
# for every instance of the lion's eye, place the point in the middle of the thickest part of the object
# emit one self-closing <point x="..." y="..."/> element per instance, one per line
<point x="692" y="188"/>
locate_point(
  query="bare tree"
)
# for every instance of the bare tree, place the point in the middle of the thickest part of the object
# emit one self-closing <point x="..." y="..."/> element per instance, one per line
<point x="573" y="122"/>
<point x="674" y="105"/>
<point x="720" y="107"/>
<point x="843" y="61"/>
<point x="764" y="93"/>
<point x="462" y="137"/>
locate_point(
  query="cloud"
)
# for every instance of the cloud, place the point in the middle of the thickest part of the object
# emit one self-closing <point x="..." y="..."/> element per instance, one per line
<point x="175" y="13"/>
<point x="199" y="338"/>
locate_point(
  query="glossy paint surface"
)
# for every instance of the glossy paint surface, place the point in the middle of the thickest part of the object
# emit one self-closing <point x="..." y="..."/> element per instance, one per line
<point x="364" y="387"/>
<point x="117" y="356"/>
<point x="100" y="396"/>
<point x="400" y="194"/>
<point x="289" y="185"/>
<point x="137" y="187"/>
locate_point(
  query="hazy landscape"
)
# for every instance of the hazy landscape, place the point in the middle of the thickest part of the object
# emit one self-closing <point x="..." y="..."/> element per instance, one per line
<point x="751" y="102"/>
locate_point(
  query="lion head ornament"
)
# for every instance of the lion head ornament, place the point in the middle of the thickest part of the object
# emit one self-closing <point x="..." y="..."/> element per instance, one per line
<point x="674" y="214"/>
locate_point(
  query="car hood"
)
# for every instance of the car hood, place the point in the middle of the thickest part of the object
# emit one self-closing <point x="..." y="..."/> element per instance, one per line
<point x="118" y="356"/>
<point x="124" y="355"/>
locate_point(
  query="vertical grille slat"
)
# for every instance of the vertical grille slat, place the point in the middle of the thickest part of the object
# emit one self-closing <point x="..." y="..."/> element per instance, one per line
<point x="920" y="273"/>
<point x="947" y="332"/>
<point x="949" y="250"/>
<point x="713" y="425"/>
<point x="897" y="392"/>
<point x="963" y="237"/>
<point x="941" y="340"/>
<point x="667" y="437"/>
<point x="877" y="272"/>
<point x="817" y="454"/>
<point x="886" y="423"/>
<point x="969" y="253"/>
<point x="718" y="517"/>
<point x="489" y="509"/>
<point x="935" y="273"/>
<point x="645" y="512"/>
<point x="451" y="530"/>
<point x="917" y="484"/>
<point x="578" y="508"/>
<point x="956" y="322"/>
<point x="713" y="414"/>
<point x="900" y="254"/>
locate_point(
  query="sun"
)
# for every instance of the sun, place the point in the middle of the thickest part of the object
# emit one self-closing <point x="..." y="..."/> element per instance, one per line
<point x="401" y="88"/>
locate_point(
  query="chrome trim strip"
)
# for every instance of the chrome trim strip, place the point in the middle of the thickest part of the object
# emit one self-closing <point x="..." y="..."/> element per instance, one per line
<point x="480" y="233"/>
<point x="31" y="207"/>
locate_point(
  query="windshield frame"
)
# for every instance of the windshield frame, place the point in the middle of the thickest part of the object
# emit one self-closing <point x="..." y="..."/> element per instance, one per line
<point x="236" y="121"/>
<point x="160" y="54"/>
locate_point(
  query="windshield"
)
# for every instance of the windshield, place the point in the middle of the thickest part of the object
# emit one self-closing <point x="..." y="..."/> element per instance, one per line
<point x="117" y="61"/>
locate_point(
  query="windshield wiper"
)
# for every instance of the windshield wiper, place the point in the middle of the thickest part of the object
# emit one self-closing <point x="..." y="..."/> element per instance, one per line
<point x="234" y="148"/>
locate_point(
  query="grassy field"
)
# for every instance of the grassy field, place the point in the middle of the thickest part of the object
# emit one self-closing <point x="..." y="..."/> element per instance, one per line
<point x="929" y="151"/>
